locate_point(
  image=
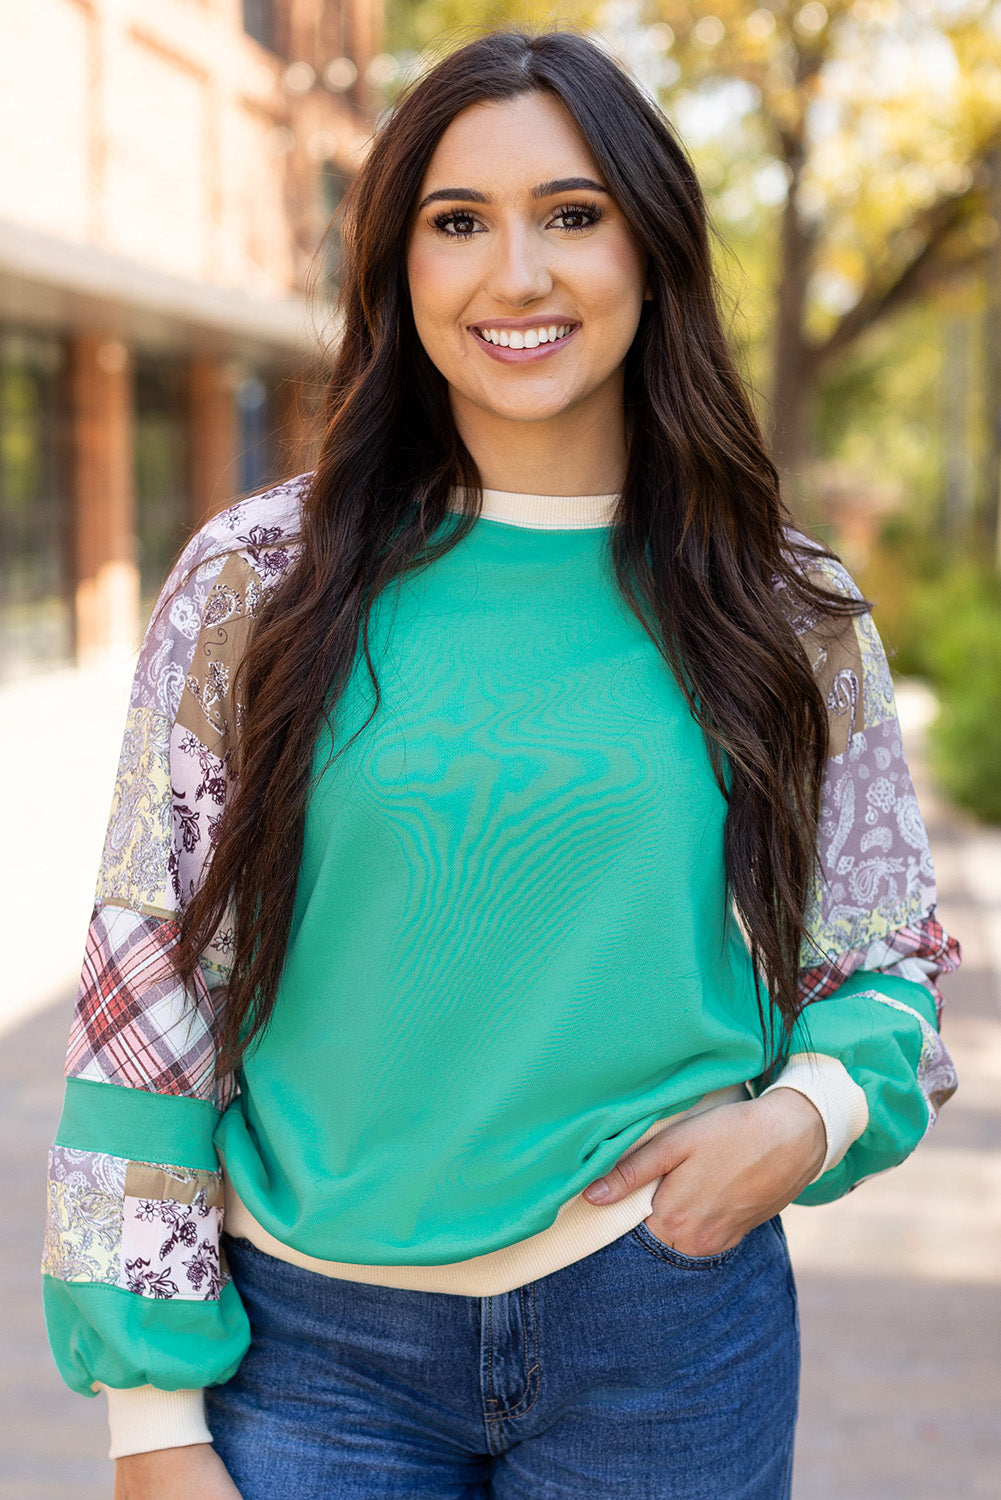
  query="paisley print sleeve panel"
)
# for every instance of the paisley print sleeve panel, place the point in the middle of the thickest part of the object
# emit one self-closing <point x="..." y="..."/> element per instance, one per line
<point x="876" y="950"/>
<point x="135" y="1291"/>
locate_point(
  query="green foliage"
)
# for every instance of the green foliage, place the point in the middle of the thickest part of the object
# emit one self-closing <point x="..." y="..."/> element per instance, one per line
<point x="905" y="578"/>
<point x="940" y="618"/>
<point x="442" y="25"/>
<point x="966" y="737"/>
<point x="878" y="409"/>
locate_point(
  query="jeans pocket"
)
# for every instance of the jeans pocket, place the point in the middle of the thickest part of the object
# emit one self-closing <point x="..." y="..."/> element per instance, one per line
<point x="657" y="1247"/>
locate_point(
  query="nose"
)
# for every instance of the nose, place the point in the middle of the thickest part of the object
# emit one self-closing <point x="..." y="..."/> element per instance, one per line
<point x="520" y="272"/>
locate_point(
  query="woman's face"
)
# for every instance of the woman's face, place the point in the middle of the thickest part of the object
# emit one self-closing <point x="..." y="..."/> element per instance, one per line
<point x="526" y="282"/>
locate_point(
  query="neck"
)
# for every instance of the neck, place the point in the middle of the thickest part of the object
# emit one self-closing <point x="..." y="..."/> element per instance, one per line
<point x="581" y="451"/>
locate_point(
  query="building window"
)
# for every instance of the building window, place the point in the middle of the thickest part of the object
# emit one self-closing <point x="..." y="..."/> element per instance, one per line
<point x="36" y="616"/>
<point x="334" y="183"/>
<point x="258" y="433"/>
<point x="259" y="22"/>
<point x="161" y="470"/>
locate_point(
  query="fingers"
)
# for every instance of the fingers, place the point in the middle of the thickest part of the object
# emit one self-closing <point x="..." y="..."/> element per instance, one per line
<point x="662" y="1153"/>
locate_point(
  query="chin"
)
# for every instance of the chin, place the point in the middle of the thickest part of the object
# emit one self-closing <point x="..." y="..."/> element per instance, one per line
<point x="530" y="407"/>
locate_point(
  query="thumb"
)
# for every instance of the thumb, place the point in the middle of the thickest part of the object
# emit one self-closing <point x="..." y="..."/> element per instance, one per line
<point x="655" y="1157"/>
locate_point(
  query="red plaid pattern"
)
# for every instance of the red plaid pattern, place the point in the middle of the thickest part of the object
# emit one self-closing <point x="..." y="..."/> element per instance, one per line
<point x="134" y="1025"/>
<point x="926" y="939"/>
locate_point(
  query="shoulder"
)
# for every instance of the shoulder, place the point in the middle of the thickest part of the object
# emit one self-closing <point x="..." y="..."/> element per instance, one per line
<point x="262" y="530"/>
<point x="232" y="561"/>
<point x="208" y="602"/>
<point x="814" y="562"/>
<point x="843" y="646"/>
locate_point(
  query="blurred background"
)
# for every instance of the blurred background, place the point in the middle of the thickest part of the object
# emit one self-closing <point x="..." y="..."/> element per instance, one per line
<point x="170" y="174"/>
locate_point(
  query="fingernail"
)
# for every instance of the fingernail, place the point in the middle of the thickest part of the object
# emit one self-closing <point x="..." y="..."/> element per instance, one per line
<point x="597" y="1191"/>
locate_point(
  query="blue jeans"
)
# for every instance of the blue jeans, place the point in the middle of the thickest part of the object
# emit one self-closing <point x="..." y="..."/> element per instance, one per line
<point x="636" y="1372"/>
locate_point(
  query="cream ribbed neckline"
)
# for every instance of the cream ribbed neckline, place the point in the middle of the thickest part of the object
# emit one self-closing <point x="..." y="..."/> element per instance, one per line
<point x="544" y="512"/>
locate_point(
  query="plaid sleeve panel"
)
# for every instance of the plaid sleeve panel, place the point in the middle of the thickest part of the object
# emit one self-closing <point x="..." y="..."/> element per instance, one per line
<point x="134" y="1024"/>
<point x="920" y="952"/>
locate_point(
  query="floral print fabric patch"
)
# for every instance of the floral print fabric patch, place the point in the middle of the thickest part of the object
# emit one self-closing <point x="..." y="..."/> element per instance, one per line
<point x="145" y="1227"/>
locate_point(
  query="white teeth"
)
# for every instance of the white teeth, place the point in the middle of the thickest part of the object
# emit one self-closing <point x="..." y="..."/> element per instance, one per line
<point x="527" y="338"/>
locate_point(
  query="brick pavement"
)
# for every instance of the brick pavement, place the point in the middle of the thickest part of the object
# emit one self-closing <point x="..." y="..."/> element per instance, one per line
<point x="900" y="1282"/>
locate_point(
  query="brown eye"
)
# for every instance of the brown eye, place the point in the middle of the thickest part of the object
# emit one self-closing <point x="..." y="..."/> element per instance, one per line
<point x="578" y="216"/>
<point x="454" y="224"/>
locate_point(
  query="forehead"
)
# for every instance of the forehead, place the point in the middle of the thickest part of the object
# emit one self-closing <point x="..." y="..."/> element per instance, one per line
<point x="510" y="146"/>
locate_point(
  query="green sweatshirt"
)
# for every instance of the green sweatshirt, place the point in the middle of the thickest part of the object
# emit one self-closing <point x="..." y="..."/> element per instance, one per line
<point x="511" y="950"/>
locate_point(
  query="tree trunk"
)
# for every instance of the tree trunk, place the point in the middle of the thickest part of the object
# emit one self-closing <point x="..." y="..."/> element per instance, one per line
<point x="958" y="469"/>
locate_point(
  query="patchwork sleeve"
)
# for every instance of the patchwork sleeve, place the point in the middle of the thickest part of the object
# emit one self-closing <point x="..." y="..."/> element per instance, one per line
<point x="137" y="1296"/>
<point x="875" y="948"/>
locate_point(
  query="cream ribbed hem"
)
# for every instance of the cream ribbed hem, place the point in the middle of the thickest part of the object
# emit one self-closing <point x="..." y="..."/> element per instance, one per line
<point x="840" y="1101"/>
<point x="544" y="512"/>
<point x="144" y="1418"/>
<point x="580" y="1228"/>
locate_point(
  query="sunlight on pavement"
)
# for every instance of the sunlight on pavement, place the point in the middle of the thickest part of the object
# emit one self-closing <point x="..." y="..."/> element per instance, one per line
<point x="57" y="766"/>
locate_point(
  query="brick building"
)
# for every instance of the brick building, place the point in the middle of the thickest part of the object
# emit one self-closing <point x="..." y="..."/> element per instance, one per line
<point x="167" y="171"/>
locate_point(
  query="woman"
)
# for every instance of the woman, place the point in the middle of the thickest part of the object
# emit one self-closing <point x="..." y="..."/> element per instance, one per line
<point x="539" y="705"/>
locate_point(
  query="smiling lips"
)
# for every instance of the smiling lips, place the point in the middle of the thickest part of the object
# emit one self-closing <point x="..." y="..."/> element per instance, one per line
<point x="516" y="345"/>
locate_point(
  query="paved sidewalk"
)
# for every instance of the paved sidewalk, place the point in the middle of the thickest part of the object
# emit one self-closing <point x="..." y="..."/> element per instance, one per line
<point x="900" y="1282"/>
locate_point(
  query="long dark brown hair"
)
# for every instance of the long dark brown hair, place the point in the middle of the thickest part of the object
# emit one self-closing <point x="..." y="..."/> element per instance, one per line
<point x="698" y="543"/>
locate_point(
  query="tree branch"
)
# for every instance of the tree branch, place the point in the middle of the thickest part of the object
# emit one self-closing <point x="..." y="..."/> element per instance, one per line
<point x="935" y="224"/>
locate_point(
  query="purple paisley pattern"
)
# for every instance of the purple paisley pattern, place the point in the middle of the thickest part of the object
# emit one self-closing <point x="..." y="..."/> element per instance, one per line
<point x="872" y="903"/>
<point x="159" y="1246"/>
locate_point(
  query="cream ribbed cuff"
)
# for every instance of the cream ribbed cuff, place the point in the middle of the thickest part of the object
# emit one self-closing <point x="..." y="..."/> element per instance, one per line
<point x="145" y="1418"/>
<point x="839" y="1100"/>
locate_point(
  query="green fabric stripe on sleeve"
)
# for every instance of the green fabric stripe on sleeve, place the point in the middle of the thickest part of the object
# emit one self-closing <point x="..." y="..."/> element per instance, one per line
<point x="906" y="991"/>
<point x="108" y="1334"/>
<point x="137" y="1124"/>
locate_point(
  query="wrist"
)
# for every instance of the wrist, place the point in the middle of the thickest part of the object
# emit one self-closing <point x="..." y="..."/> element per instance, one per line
<point x="799" y="1122"/>
<point x="830" y="1088"/>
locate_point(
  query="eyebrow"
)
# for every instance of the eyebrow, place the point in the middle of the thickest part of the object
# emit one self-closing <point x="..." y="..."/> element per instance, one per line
<point x="544" y="190"/>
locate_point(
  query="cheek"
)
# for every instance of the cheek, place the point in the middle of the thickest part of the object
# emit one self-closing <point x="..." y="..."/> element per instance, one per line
<point x="618" y="280"/>
<point x="435" y="290"/>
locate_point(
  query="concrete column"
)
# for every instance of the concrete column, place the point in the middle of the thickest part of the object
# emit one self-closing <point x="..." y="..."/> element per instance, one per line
<point x="106" y="570"/>
<point x="213" y="436"/>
